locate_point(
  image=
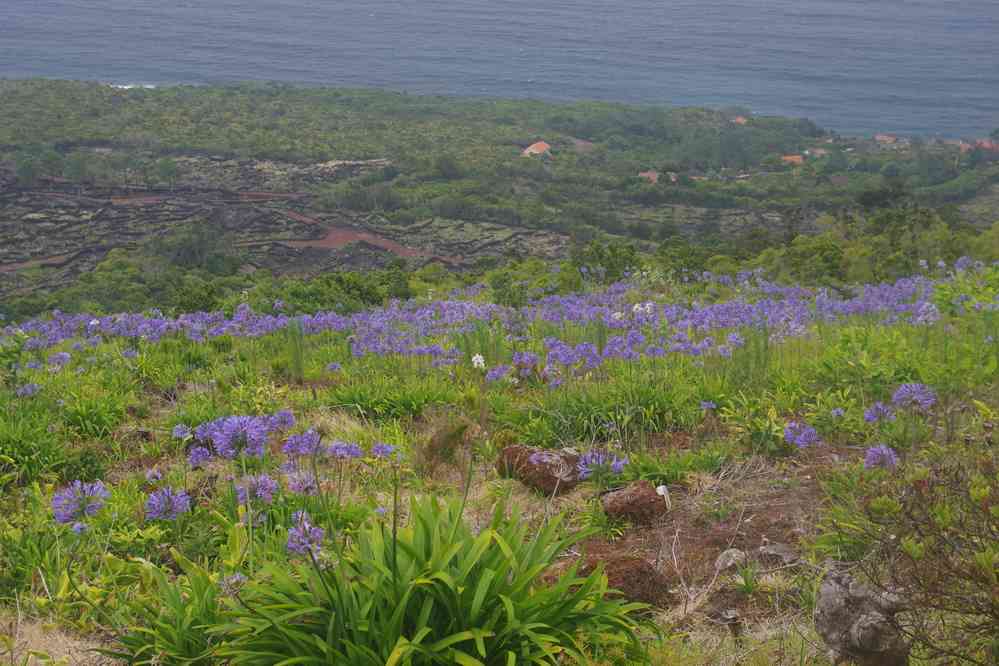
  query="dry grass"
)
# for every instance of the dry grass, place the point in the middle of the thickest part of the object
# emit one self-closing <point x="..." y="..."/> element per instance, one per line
<point x="42" y="643"/>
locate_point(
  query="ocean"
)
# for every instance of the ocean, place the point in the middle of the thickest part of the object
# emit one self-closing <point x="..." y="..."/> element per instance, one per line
<point x="919" y="67"/>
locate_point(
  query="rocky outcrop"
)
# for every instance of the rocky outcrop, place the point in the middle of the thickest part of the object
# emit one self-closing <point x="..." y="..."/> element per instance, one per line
<point x="857" y="623"/>
<point x="547" y="471"/>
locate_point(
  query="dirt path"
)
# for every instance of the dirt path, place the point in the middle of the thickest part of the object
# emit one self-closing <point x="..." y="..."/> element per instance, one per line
<point x="35" y="636"/>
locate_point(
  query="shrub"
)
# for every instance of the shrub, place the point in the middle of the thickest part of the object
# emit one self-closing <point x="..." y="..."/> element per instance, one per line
<point x="437" y="593"/>
<point x="930" y="533"/>
<point x="171" y="624"/>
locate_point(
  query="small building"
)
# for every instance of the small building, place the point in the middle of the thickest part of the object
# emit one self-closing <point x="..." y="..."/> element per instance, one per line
<point x="537" y="148"/>
<point x="793" y="159"/>
<point x="817" y="152"/>
<point x="673" y="176"/>
<point x="839" y="180"/>
<point x="987" y="144"/>
<point x="651" y="176"/>
<point x="740" y="120"/>
<point x="744" y="176"/>
<point x="886" y="139"/>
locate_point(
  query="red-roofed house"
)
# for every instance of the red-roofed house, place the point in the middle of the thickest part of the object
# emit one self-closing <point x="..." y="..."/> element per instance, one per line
<point x="987" y="144"/>
<point x="885" y="138"/>
<point x="793" y="159"/>
<point x="651" y="176"/>
<point x="539" y="148"/>
<point x="740" y="120"/>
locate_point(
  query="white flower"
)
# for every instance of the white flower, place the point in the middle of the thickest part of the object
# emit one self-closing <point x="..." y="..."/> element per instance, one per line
<point x="95" y="322"/>
<point x="479" y="362"/>
<point x="617" y="316"/>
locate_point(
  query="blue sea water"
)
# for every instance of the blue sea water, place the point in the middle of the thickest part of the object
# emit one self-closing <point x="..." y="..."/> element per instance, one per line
<point x="927" y="67"/>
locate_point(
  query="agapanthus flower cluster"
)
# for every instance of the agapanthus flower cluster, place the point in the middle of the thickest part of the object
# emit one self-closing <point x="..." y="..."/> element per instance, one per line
<point x="918" y="397"/>
<point x="232" y="584"/>
<point x="881" y="456"/>
<point x="382" y="450"/>
<point x="879" y="412"/>
<point x="497" y="373"/>
<point x="303" y="536"/>
<point x="800" y="434"/>
<point x="78" y="502"/>
<point x="234" y="436"/>
<point x="597" y="461"/>
<point x="260" y="487"/>
<point x="345" y="451"/>
<point x="167" y="504"/>
<point x="303" y="483"/>
<point x="59" y="359"/>
<point x="198" y="456"/>
<point x="27" y="390"/>
<point x="303" y="445"/>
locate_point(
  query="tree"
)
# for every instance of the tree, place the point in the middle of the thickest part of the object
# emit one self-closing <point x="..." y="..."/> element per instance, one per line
<point x="448" y="168"/>
<point x="26" y="169"/>
<point x="77" y="167"/>
<point x="166" y="171"/>
<point x="51" y="162"/>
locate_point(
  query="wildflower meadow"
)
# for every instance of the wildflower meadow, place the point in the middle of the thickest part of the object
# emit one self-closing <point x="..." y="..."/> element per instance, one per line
<point x="269" y="487"/>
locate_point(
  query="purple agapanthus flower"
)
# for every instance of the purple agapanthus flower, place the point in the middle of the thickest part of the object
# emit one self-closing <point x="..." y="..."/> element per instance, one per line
<point x="303" y="536"/>
<point x="231" y="585"/>
<point x="333" y="367"/>
<point x="919" y="397"/>
<point x="303" y="483"/>
<point x="79" y="501"/>
<point x="167" y="504"/>
<point x="497" y="373"/>
<point x="879" y="412"/>
<point x="237" y="435"/>
<point x="800" y="434"/>
<point x="837" y="412"/>
<point x="260" y="487"/>
<point x="282" y="420"/>
<point x="198" y="456"/>
<point x="345" y="450"/>
<point x="181" y="431"/>
<point x="303" y="445"/>
<point x="59" y="359"/>
<point x="382" y="450"/>
<point x="130" y="353"/>
<point x="881" y="456"/>
<point x="27" y="390"/>
<point x="708" y="405"/>
<point x="597" y="461"/>
<point x="154" y="475"/>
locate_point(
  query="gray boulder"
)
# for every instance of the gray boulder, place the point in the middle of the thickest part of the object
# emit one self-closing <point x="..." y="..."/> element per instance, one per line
<point x="857" y="623"/>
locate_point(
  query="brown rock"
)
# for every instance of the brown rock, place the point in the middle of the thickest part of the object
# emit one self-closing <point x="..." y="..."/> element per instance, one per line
<point x="635" y="578"/>
<point x="548" y="471"/>
<point x="637" y="502"/>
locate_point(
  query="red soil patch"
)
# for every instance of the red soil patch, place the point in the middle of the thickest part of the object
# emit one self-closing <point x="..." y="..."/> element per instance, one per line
<point x="45" y="261"/>
<point x="268" y="196"/>
<point x="298" y="217"/>
<point x="137" y="200"/>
